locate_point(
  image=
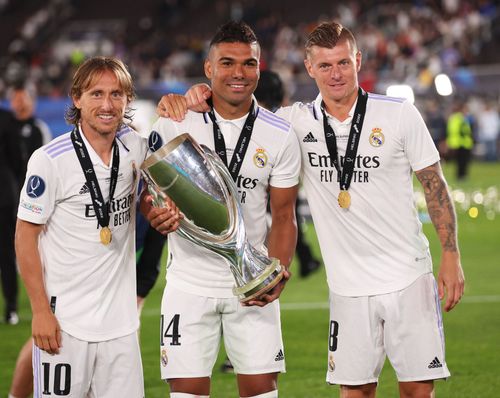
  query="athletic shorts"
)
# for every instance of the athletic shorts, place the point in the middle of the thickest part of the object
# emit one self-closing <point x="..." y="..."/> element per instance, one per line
<point x="405" y="325"/>
<point x="192" y="327"/>
<point x="106" y="369"/>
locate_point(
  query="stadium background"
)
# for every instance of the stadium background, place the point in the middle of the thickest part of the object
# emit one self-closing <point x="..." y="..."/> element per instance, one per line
<point x="409" y="42"/>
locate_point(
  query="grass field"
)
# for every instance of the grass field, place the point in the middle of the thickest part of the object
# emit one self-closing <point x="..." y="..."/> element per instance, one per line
<point x="472" y="329"/>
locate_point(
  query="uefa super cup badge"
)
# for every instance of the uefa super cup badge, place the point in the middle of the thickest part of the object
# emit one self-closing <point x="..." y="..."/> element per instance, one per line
<point x="377" y="137"/>
<point x="260" y="158"/>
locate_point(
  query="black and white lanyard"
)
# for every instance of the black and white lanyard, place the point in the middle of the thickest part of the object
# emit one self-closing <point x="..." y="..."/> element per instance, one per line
<point x="345" y="174"/>
<point x="101" y="208"/>
<point x="242" y="145"/>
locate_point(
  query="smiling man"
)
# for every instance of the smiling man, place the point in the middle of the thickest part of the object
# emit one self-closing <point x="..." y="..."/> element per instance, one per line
<point x="198" y="305"/>
<point x="75" y="243"/>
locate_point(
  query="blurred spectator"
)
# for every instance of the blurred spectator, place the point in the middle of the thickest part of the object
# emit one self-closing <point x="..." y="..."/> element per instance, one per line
<point x="436" y="123"/>
<point x="459" y="139"/>
<point x="271" y="95"/>
<point x="8" y="205"/>
<point x="20" y="135"/>
<point x="488" y="128"/>
<point x="31" y="132"/>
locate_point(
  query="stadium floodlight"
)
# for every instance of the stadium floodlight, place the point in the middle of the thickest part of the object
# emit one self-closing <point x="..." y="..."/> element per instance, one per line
<point x="401" y="91"/>
<point x="443" y="85"/>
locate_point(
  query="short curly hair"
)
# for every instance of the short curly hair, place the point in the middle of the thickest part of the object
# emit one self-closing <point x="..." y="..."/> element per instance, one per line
<point x="328" y="34"/>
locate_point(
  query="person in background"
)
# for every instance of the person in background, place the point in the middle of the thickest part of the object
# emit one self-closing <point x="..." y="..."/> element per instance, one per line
<point x="488" y="129"/>
<point x="271" y="94"/>
<point x="436" y="123"/>
<point x="20" y="135"/>
<point x="459" y="139"/>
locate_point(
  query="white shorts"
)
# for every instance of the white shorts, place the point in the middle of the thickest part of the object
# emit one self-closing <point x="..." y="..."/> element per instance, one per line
<point x="191" y="330"/>
<point x="405" y="325"/>
<point x="106" y="369"/>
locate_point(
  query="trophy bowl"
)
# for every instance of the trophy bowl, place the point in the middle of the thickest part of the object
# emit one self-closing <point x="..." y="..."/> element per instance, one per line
<point x="200" y="185"/>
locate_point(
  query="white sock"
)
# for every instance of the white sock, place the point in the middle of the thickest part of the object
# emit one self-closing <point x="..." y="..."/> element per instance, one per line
<point x="186" y="395"/>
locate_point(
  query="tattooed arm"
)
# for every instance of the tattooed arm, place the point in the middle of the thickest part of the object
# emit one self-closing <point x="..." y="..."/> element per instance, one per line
<point x="442" y="213"/>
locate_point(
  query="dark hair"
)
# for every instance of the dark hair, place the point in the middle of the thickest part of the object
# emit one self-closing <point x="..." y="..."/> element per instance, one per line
<point x="234" y="32"/>
<point x="88" y="72"/>
<point x="328" y="34"/>
<point x="269" y="91"/>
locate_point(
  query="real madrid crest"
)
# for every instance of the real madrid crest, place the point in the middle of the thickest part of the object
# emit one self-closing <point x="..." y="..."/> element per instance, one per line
<point x="331" y="363"/>
<point x="164" y="358"/>
<point x="376" y="137"/>
<point x="260" y="158"/>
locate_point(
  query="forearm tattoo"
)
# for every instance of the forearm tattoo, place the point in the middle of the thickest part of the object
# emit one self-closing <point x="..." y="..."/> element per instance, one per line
<point x="439" y="205"/>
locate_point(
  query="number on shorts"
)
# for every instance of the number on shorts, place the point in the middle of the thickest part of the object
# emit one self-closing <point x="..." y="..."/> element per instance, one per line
<point x="334" y="331"/>
<point x="57" y="378"/>
<point x="174" y="335"/>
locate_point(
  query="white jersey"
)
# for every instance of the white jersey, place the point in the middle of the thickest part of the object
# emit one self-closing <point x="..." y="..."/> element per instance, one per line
<point x="377" y="245"/>
<point x="91" y="286"/>
<point x="272" y="159"/>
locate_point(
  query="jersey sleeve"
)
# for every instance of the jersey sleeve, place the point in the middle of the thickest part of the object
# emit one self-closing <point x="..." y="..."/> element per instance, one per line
<point x="417" y="141"/>
<point x="285" y="112"/>
<point x="162" y="131"/>
<point x="39" y="193"/>
<point x="286" y="170"/>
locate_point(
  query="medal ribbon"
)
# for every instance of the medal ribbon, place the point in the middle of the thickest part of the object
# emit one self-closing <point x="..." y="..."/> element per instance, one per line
<point x="242" y="145"/>
<point x="101" y="209"/>
<point x="345" y="175"/>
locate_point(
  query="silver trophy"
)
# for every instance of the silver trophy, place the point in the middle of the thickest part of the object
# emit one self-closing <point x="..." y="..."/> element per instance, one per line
<point x="199" y="183"/>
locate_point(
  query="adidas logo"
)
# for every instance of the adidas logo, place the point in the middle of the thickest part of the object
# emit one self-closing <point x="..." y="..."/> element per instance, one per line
<point x="309" y="138"/>
<point x="84" y="189"/>
<point x="435" y="364"/>
<point x="279" y="356"/>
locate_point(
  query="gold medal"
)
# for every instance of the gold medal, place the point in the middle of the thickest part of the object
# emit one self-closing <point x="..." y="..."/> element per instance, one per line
<point x="105" y="236"/>
<point x="344" y="199"/>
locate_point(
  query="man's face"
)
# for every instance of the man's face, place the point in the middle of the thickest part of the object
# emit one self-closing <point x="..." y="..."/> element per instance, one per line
<point x="102" y="105"/>
<point x="335" y="70"/>
<point x="233" y="69"/>
<point x="21" y="104"/>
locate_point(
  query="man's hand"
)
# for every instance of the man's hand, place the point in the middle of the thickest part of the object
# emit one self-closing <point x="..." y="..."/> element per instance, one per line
<point x="164" y="219"/>
<point x="46" y="331"/>
<point x="175" y="106"/>
<point x="197" y="97"/>
<point x="272" y="294"/>
<point x="450" y="280"/>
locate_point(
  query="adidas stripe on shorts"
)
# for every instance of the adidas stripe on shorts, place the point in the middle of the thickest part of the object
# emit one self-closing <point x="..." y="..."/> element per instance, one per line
<point x="405" y="325"/>
<point x="192" y="327"/>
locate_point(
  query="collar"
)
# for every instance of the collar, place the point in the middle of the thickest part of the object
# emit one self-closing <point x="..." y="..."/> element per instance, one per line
<point x="318" y="115"/>
<point x="239" y="122"/>
<point x="94" y="157"/>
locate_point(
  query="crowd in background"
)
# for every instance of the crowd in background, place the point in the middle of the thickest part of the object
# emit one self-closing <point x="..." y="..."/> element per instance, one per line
<point x="164" y="41"/>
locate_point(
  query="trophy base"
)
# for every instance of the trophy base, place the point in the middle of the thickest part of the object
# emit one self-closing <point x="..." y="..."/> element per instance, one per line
<point x="262" y="284"/>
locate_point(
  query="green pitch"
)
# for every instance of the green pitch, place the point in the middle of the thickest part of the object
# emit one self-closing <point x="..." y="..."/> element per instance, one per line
<point x="472" y="329"/>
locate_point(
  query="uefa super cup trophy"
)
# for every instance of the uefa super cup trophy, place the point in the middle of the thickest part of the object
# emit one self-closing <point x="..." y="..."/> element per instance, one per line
<point x="202" y="188"/>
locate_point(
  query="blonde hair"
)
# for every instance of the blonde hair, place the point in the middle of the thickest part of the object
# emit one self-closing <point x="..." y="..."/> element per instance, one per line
<point x="86" y="74"/>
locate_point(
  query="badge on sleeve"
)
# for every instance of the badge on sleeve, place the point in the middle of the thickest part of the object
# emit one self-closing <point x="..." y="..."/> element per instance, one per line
<point x="154" y="141"/>
<point x="35" y="186"/>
